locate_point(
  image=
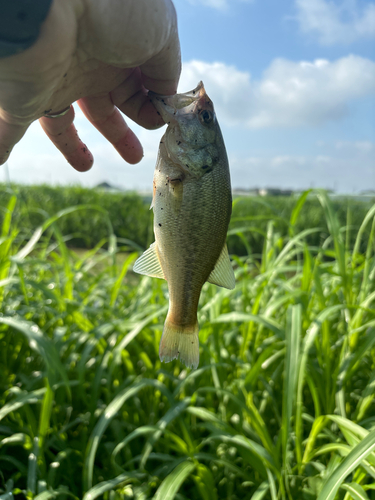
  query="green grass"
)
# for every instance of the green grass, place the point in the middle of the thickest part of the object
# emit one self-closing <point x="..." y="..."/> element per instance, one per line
<point x="281" y="407"/>
<point x="131" y="217"/>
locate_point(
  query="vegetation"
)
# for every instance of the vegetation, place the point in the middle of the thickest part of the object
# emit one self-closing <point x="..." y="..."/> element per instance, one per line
<point x="131" y="218"/>
<point x="281" y="407"/>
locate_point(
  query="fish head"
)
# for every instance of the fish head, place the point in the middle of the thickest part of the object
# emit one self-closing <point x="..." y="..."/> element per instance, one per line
<point x="193" y="136"/>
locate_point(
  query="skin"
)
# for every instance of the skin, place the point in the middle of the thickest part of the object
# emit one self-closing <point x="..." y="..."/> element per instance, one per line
<point x="104" y="54"/>
<point x="192" y="204"/>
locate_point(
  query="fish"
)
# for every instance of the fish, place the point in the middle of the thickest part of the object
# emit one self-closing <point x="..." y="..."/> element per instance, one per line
<point x="192" y="204"/>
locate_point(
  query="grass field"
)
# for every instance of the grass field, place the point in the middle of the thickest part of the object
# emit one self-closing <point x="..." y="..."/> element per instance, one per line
<point x="131" y="218"/>
<point x="281" y="407"/>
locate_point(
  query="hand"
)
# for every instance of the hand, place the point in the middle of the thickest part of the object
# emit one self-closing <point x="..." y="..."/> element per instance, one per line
<point x="104" y="54"/>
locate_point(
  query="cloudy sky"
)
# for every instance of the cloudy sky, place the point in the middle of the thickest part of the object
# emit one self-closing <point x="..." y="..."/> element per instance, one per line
<point x="293" y="83"/>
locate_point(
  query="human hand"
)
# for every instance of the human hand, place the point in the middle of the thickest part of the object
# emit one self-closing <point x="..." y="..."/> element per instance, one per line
<point x="104" y="54"/>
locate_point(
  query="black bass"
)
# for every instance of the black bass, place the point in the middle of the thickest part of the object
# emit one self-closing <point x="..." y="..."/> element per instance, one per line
<point x="192" y="205"/>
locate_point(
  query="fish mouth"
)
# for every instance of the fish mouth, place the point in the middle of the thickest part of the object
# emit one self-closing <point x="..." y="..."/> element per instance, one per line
<point x="171" y="107"/>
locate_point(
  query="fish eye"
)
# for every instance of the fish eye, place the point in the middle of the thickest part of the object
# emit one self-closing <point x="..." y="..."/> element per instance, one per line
<point x="206" y="116"/>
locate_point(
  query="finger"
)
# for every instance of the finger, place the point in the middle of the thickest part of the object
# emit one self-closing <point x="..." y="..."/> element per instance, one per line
<point x="64" y="136"/>
<point x="106" y="118"/>
<point x="131" y="97"/>
<point x="10" y="134"/>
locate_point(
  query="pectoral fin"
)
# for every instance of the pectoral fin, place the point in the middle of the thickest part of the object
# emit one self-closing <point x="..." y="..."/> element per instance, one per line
<point x="149" y="264"/>
<point x="222" y="274"/>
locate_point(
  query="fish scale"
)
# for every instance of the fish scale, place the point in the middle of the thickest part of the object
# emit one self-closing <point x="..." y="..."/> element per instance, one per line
<point x="197" y="247"/>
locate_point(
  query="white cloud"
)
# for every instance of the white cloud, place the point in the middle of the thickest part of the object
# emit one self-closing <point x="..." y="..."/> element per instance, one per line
<point x="289" y="94"/>
<point x="222" y="5"/>
<point x="343" y="173"/>
<point x="336" y="22"/>
<point x="229" y="88"/>
<point x="216" y="4"/>
<point x="360" y="146"/>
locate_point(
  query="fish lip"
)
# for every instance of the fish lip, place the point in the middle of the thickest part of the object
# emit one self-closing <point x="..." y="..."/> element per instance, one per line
<point x="168" y="106"/>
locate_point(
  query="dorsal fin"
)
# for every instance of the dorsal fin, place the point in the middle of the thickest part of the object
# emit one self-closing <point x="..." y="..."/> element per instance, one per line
<point x="148" y="263"/>
<point x="222" y="274"/>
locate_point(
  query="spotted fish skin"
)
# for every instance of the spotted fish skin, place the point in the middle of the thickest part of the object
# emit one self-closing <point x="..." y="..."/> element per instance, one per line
<point x="192" y="205"/>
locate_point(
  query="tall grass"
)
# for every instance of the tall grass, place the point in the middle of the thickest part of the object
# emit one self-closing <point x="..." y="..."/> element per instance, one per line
<point x="281" y="407"/>
<point x="131" y="218"/>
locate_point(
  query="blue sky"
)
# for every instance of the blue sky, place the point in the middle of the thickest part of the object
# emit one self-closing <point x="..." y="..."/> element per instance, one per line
<point x="293" y="83"/>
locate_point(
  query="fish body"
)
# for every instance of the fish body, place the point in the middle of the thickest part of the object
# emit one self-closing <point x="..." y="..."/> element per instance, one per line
<point x="192" y="205"/>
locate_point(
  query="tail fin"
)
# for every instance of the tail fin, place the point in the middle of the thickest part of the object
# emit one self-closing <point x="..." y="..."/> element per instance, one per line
<point x="180" y="341"/>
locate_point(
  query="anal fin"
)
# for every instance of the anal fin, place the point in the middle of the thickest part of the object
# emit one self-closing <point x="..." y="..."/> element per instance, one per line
<point x="148" y="263"/>
<point x="222" y="274"/>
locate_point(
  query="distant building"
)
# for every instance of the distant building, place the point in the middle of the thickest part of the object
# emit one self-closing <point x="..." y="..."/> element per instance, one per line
<point x="275" y="192"/>
<point x="245" y="192"/>
<point x="262" y="192"/>
<point x="107" y="187"/>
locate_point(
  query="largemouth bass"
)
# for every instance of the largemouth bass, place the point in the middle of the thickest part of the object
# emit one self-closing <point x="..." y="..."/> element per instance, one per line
<point x="192" y="205"/>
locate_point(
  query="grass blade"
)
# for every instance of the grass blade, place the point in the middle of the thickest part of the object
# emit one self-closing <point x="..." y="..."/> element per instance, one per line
<point x="306" y="346"/>
<point x="174" y="412"/>
<point x="24" y="399"/>
<point x="111" y="410"/>
<point x="29" y="247"/>
<point x="369" y="216"/>
<point x="292" y="340"/>
<point x="172" y="483"/>
<point x="244" y="317"/>
<point x="99" y="489"/>
<point x="353" y="460"/>
<point x="339" y="245"/>
<point x="45" y="415"/>
<point x="43" y="346"/>
<point x="261" y="491"/>
<point x="356" y="491"/>
<point x="125" y="267"/>
<point x="32" y="470"/>
<point x="366" y="399"/>
<point x="296" y="210"/>
<point x="6" y="227"/>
